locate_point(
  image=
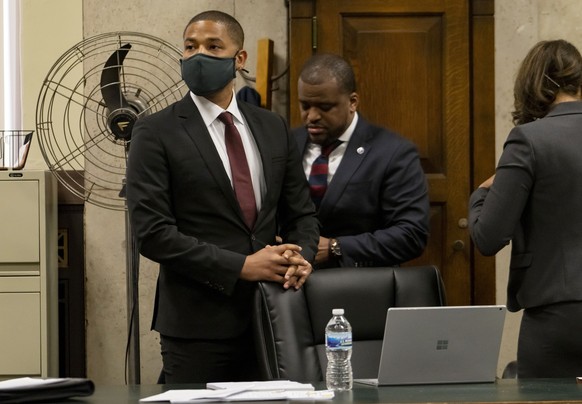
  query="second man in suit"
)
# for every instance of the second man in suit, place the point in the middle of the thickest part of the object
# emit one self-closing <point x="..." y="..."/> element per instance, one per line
<point x="366" y="181"/>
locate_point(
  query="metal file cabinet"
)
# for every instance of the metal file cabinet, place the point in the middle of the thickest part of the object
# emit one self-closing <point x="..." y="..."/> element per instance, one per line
<point x="28" y="274"/>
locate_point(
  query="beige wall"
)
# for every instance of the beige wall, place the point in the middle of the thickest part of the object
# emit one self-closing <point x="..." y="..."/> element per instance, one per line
<point x="50" y="27"/>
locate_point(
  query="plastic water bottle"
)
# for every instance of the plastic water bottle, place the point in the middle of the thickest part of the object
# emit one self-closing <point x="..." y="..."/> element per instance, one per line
<point x="338" y="348"/>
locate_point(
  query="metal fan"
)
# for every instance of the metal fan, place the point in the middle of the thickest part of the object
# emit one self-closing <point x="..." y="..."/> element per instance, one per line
<point x="86" y="109"/>
<point x="89" y="102"/>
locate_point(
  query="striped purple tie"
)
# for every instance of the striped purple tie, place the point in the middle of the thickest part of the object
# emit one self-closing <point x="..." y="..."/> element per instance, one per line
<point x="319" y="171"/>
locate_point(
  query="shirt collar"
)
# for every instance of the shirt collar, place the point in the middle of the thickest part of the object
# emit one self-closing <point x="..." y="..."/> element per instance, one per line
<point x="347" y="135"/>
<point x="210" y="111"/>
<point x="344" y="137"/>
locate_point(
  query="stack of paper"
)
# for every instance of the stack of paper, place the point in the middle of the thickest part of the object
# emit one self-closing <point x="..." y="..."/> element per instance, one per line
<point x="262" y="386"/>
<point x="244" y="391"/>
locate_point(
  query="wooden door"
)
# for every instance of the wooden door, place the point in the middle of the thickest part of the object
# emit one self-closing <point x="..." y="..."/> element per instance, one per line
<point x="412" y="65"/>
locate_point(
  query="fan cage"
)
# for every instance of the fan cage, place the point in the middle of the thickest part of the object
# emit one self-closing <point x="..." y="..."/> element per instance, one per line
<point x="72" y="118"/>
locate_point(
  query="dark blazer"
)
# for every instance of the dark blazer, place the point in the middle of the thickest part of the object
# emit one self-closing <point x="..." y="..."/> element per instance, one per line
<point x="535" y="202"/>
<point x="377" y="203"/>
<point x="185" y="216"/>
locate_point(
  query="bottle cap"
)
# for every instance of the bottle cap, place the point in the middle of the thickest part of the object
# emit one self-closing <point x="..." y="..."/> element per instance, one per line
<point x="337" y="312"/>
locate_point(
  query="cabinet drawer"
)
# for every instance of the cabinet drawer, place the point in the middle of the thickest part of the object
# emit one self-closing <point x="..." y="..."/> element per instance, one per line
<point x="20" y="218"/>
<point x="20" y="334"/>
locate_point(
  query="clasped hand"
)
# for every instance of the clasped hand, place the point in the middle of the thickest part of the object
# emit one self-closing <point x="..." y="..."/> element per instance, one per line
<point x="281" y="263"/>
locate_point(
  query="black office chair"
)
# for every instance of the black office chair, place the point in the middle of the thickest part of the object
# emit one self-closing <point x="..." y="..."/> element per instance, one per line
<point x="289" y="326"/>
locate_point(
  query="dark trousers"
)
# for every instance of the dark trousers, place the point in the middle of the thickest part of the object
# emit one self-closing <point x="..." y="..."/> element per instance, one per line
<point x="550" y="341"/>
<point x="203" y="361"/>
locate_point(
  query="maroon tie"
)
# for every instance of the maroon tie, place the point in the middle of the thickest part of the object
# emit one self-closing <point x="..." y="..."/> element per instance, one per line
<point x="241" y="175"/>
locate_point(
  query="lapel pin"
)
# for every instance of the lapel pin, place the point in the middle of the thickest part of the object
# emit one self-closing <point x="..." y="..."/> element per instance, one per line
<point x="360" y="150"/>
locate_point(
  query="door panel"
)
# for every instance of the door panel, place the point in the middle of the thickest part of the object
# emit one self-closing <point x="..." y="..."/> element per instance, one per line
<point x="412" y="66"/>
<point x="405" y="91"/>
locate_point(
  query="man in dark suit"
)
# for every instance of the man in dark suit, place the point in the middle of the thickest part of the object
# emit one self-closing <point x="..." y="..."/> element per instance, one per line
<point x="210" y="183"/>
<point x="374" y="209"/>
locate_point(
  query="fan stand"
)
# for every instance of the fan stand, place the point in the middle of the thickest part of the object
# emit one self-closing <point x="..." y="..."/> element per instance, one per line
<point x="133" y="364"/>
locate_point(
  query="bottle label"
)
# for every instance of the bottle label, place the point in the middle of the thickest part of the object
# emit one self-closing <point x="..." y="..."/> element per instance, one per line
<point x="340" y="340"/>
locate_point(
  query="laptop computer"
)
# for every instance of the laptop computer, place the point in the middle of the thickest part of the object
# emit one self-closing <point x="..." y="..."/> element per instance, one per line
<point x="446" y="344"/>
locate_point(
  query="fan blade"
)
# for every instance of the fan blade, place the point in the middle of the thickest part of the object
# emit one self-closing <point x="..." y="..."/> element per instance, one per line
<point x="110" y="85"/>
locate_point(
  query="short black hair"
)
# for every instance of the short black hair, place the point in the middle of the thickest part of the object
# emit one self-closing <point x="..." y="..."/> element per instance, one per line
<point x="233" y="27"/>
<point x="326" y="66"/>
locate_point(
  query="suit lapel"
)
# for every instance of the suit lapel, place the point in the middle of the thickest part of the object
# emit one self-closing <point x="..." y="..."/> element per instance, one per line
<point x="356" y="151"/>
<point x="196" y="129"/>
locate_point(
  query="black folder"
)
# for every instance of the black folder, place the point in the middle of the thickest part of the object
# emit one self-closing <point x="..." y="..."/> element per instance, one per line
<point x="59" y="389"/>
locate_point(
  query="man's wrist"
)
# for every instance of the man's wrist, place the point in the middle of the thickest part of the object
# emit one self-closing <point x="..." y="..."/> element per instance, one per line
<point x="334" y="248"/>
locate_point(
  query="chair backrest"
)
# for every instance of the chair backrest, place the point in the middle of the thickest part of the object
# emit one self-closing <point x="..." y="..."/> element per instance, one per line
<point x="289" y="326"/>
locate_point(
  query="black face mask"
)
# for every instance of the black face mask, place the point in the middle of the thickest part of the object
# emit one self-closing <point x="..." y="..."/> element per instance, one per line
<point x="205" y="74"/>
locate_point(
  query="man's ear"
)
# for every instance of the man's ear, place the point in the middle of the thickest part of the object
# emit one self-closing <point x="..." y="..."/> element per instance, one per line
<point x="241" y="59"/>
<point x="354" y="101"/>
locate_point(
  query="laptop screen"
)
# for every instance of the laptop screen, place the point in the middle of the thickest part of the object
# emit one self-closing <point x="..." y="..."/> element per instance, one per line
<point x="446" y="344"/>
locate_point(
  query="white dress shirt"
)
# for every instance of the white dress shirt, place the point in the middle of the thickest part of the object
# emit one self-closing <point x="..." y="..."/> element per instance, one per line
<point x="314" y="150"/>
<point x="210" y="112"/>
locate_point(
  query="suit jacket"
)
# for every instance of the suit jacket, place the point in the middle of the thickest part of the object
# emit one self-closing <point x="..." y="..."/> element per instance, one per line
<point x="535" y="202"/>
<point x="185" y="216"/>
<point x="377" y="204"/>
